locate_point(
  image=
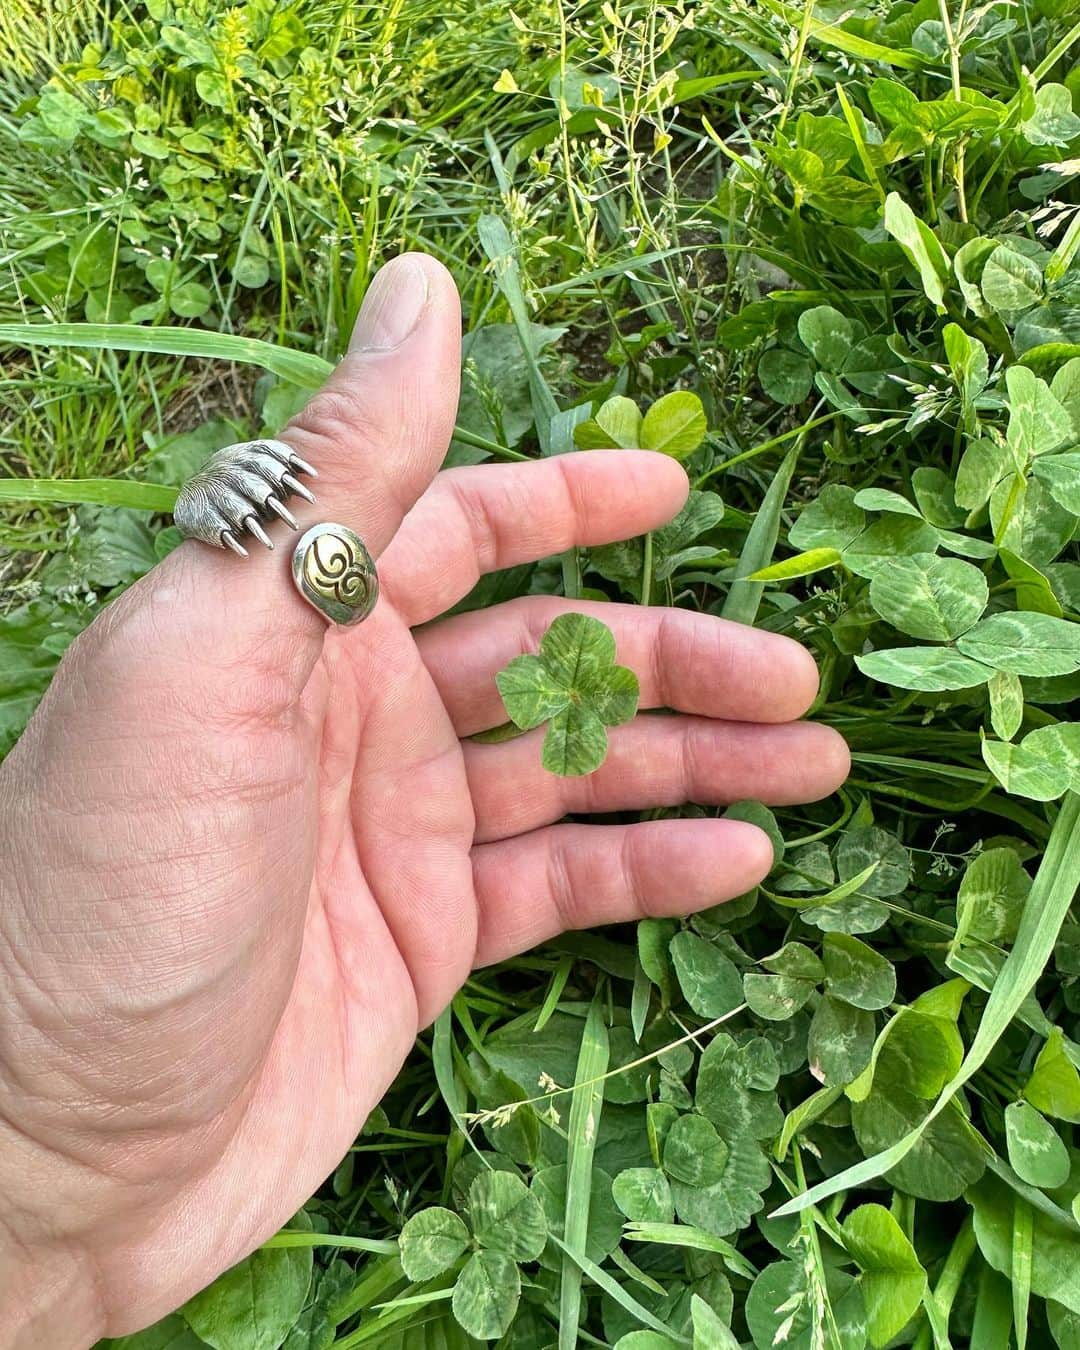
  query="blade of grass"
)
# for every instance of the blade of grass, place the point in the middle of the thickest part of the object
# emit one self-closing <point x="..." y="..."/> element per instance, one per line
<point x="849" y="43"/>
<point x="615" y="1290"/>
<point x="90" y="491"/>
<point x="497" y="243"/>
<point x="695" y="1239"/>
<point x="554" y="993"/>
<point x="585" y="1107"/>
<point x="297" y="367"/>
<point x="288" y="1238"/>
<point x="1047" y="905"/>
<point x="744" y="595"/>
<point x="1022" y="1238"/>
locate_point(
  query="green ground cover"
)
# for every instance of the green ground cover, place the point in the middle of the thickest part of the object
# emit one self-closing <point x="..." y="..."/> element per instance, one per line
<point x="837" y="1111"/>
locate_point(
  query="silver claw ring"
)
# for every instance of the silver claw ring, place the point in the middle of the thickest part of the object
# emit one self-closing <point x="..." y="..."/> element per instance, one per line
<point x="237" y="489"/>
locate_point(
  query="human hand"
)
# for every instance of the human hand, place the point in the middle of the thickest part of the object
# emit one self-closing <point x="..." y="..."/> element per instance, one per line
<point x="247" y="858"/>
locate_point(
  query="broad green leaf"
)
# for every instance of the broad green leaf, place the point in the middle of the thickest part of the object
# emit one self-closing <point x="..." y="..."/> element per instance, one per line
<point x="863" y="845"/>
<point x="892" y="1277"/>
<point x="757" y="813"/>
<point x="921" y="245"/>
<point x="32" y="639"/>
<point x="856" y="973"/>
<point x="605" y="1221"/>
<point x="968" y="364"/>
<point x="1054" y="1085"/>
<point x="831" y="520"/>
<point x="647" y="1340"/>
<point x="841" y="1041"/>
<point x="796" y="960"/>
<point x="1065" y="386"/>
<point x="486" y="1295"/>
<point x="1037" y="421"/>
<point x="736" y="1087"/>
<point x="1010" y="282"/>
<point x="617" y="424"/>
<point x="1055" y="1266"/>
<point x="933" y="489"/>
<point x="1006" y="693"/>
<point x="506" y="1217"/>
<point x="991" y="898"/>
<point x="171" y="1333"/>
<point x="787" y="377"/>
<point x="1037" y="1153"/>
<point x="857" y="915"/>
<point x="674" y="425"/>
<point x="710" y="981"/>
<point x="984" y="463"/>
<point x="1025" y="643"/>
<point x="884" y="499"/>
<point x="1061" y="476"/>
<point x="644" y="1195"/>
<point x="781" y="1311"/>
<point x="727" y="1205"/>
<point x="968" y="264"/>
<point x="1053" y="121"/>
<point x="431" y="1241"/>
<point x="827" y="335"/>
<point x="710" y="1332"/>
<point x="946" y="1157"/>
<point x="891" y="537"/>
<point x="1042" y="766"/>
<point x="916" y="1049"/>
<point x="929" y="669"/>
<point x="253" y="1305"/>
<point x="1032" y="588"/>
<point x="929" y="597"/>
<point x="693" y="1151"/>
<point x="575" y="684"/>
<point x="1028" y="521"/>
<point x="776" y="998"/>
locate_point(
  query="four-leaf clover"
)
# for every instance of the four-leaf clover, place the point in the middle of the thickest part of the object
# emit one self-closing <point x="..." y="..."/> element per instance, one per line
<point x="574" y="684"/>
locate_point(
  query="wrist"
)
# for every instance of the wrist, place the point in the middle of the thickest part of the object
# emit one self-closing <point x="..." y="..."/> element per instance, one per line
<point x="48" y="1297"/>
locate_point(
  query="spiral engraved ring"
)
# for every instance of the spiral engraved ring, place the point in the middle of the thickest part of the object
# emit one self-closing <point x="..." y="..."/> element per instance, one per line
<point x="237" y="489"/>
<point x="334" y="573"/>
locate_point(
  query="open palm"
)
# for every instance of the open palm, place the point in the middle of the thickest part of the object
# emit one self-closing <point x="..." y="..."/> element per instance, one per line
<point x="250" y="857"/>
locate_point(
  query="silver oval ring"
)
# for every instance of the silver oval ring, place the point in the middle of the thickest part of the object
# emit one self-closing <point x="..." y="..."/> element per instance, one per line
<point x="239" y="488"/>
<point x="335" y="574"/>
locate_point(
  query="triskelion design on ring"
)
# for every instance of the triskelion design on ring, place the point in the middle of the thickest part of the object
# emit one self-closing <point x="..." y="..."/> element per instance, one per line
<point x="335" y="574"/>
<point x="238" y="488"/>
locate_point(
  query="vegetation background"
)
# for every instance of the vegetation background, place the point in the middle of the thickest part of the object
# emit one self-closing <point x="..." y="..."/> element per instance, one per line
<point x="840" y="1110"/>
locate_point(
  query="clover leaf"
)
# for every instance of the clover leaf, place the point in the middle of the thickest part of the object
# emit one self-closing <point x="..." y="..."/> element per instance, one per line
<point x="508" y="1226"/>
<point x="574" y="684"/>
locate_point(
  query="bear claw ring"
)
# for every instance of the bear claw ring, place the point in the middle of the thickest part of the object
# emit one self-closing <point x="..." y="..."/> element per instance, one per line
<point x="239" y="488"/>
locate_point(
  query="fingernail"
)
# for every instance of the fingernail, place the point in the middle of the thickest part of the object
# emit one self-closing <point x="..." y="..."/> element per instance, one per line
<point x="392" y="306"/>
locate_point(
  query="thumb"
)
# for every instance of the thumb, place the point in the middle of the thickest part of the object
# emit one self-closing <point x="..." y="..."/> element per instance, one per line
<point x="377" y="433"/>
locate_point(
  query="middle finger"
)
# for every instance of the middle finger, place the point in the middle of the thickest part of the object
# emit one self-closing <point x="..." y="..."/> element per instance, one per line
<point x="694" y="663"/>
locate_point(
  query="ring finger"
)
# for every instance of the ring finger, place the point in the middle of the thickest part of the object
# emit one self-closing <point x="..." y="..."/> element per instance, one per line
<point x="655" y="760"/>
